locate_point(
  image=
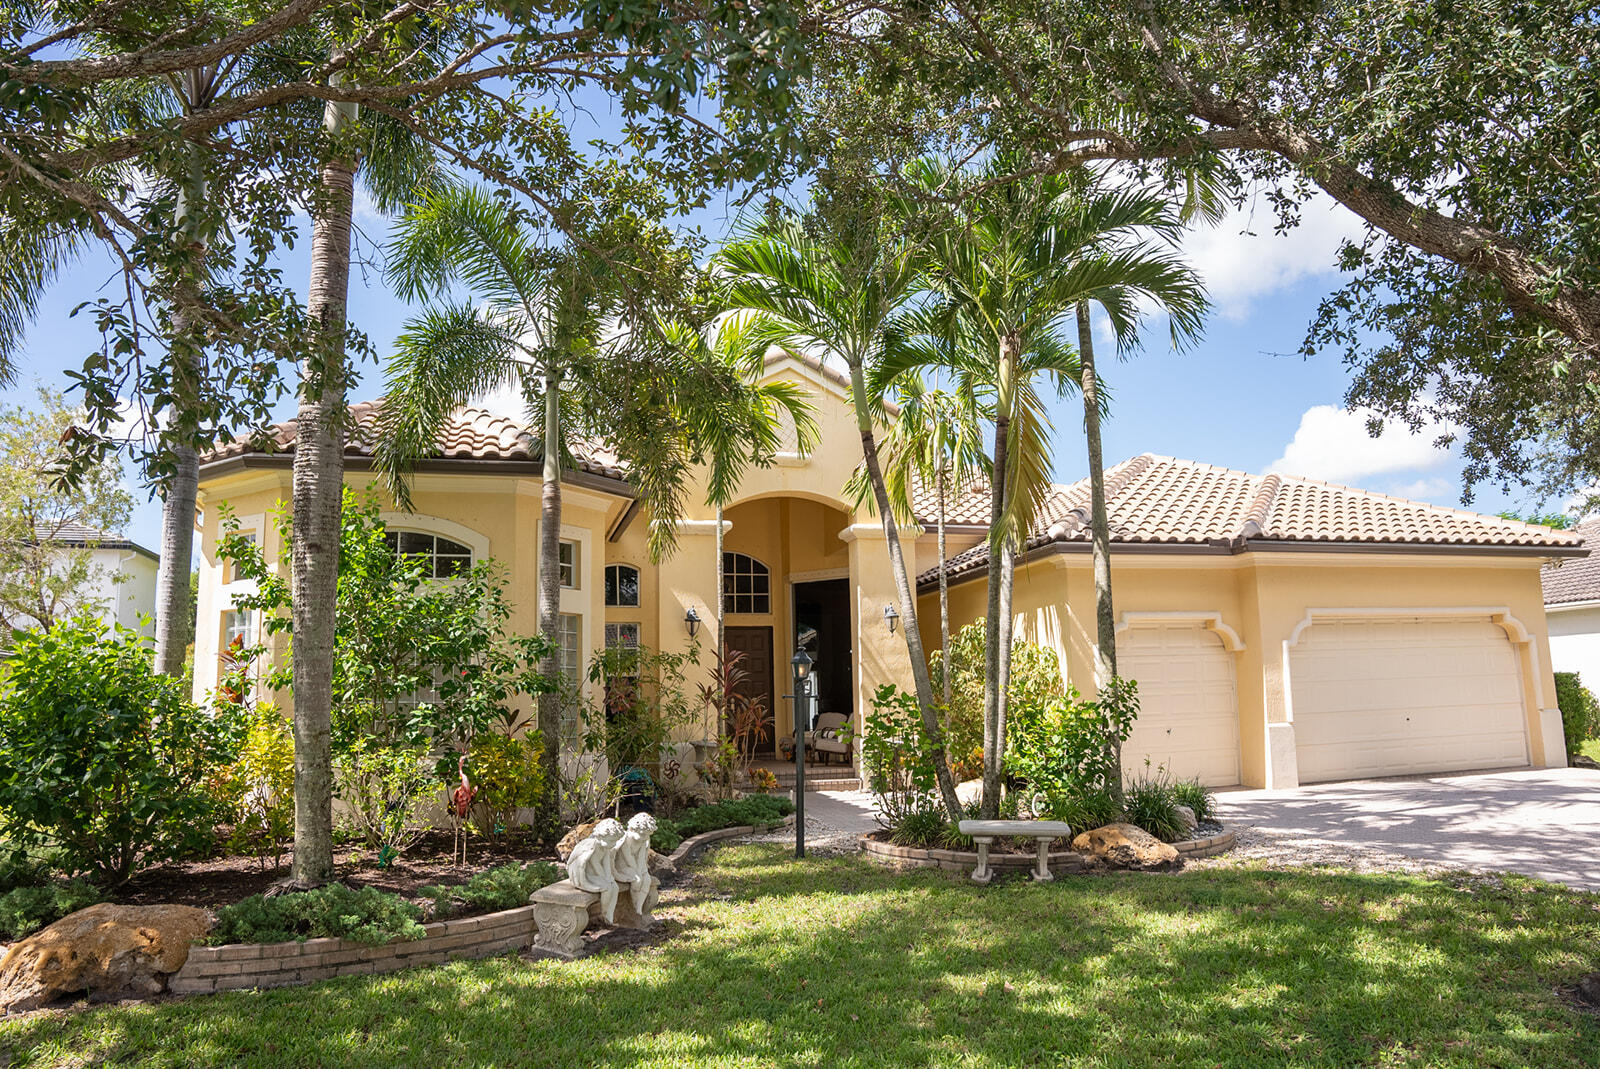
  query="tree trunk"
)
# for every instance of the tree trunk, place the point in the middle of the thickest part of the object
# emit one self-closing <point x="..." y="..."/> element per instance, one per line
<point x="1105" y="666"/>
<point x="997" y="629"/>
<point x="944" y="599"/>
<point x="549" y="810"/>
<point x="722" y="643"/>
<point x="174" y="624"/>
<point x="174" y="620"/>
<point x="922" y="681"/>
<point x="318" y="499"/>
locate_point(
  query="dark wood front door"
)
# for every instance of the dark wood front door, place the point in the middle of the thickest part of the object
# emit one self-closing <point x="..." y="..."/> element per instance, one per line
<point x="755" y="644"/>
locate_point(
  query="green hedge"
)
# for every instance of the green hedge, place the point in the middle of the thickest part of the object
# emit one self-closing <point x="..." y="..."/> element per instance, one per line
<point x="366" y="915"/>
<point x="505" y="887"/>
<point x="1580" y="713"/>
<point x="757" y="810"/>
<point x="24" y="910"/>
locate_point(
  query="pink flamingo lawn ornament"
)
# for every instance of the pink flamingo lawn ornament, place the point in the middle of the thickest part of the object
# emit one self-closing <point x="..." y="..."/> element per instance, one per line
<point x="460" y="803"/>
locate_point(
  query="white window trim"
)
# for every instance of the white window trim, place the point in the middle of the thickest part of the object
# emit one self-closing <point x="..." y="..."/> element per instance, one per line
<point x="435" y="525"/>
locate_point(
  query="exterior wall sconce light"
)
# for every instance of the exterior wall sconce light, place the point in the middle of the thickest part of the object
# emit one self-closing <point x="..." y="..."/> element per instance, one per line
<point x="891" y="618"/>
<point x="691" y="620"/>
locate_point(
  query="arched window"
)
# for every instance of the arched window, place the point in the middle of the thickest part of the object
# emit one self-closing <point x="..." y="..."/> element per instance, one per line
<point x="622" y="585"/>
<point x="746" y="584"/>
<point x="445" y="559"/>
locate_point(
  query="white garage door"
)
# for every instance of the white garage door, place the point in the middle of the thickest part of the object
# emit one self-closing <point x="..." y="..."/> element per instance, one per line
<point x="1188" y="709"/>
<point x="1383" y="697"/>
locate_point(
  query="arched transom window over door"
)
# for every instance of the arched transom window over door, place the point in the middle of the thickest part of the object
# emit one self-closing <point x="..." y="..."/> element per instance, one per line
<point x="622" y="585"/>
<point x="746" y="585"/>
<point x="443" y="558"/>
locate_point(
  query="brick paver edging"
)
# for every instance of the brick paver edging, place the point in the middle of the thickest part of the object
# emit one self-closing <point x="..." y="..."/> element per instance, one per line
<point x="695" y="843"/>
<point x="1061" y="862"/>
<point x="245" y="965"/>
<point x="238" y="966"/>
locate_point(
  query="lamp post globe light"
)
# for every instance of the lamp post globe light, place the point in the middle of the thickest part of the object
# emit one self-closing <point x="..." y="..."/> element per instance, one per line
<point x="801" y="663"/>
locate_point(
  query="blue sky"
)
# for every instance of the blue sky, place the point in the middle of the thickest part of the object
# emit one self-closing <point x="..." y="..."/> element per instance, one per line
<point x="1241" y="398"/>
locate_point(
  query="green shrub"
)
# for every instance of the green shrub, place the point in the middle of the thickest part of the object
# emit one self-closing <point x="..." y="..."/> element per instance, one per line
<point x="505" y="887"/>
<point x="1580" y="713"/>
<point x="1064" y="748"/>
<point x="1035" y="680"/>
<point x="1086" y="808"/>
<point x="256" y="791"/>
<point x="385" y="788"/>
<point x="897" y="757"/>
<point x="1198" y="797"/>
<point x="366" y="915"/>
<point x="24" y="910"/>
<point x="1152" y="804"/>
<point x="756" y="810"/>
<point x="507" y="772"/>
<point x="928" y="830"/>
<point x="102" y="761"/>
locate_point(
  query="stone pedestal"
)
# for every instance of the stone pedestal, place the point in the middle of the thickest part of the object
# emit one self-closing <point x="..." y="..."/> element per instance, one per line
<point x="563" y="911"/>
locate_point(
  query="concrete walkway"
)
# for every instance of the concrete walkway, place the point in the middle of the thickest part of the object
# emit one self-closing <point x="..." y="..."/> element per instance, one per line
<point x="1540" y="822"/>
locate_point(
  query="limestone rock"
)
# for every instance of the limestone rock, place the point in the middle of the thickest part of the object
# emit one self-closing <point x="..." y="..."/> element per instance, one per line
<point x="1186" y="815"/>
<point x="1589" y="989"/>
<point x="107" y="950"/>
<point x="661" y="866"/>
<point x="969" y="791"/>
<point x="1123" y="846"/>
<point x="1584" y="761"/>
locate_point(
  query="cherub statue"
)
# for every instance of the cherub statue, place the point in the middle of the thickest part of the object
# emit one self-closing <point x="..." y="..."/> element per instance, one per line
<point x="633" y="859"/>
<point x="589" y="866"/>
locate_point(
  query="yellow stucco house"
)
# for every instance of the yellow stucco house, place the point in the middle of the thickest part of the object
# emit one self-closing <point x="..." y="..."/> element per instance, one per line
<point x="1282" y="630"/>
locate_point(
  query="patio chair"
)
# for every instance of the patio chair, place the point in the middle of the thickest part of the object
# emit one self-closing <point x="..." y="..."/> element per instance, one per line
<point x="825" y="740"/>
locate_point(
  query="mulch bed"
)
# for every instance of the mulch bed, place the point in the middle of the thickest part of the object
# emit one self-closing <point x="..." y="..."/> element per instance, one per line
<point x="221" y="881"/>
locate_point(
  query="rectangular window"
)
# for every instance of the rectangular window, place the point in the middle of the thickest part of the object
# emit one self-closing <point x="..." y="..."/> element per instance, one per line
<point x="569" y="635"/>
<point x="230" y="570"/>
<point x="623" y="636"/>
<point x="238" y="625"/>
<point x="569" y="565"/>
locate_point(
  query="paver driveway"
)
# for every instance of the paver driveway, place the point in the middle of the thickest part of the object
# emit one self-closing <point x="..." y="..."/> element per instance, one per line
<point x="1540" y="822"/>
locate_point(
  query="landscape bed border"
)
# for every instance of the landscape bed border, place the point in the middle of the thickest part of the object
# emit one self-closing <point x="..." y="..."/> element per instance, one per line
<point x="244" y="966"/>
<point x="1062" y="862"/>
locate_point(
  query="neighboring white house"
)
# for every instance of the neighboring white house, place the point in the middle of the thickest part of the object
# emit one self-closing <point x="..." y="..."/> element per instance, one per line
<point x="122" y="576"/>
<point x="1572" y="607"/>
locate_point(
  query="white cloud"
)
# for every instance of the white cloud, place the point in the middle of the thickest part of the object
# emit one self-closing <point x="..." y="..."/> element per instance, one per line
<point x="1332" y="443"/>
<point x="1437" y="489"/>
<point x="1243" y="259"/>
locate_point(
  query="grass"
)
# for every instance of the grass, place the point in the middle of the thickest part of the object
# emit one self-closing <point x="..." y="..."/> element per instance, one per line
<point x="835" y="962"/>
<point x="1592" y="748"/>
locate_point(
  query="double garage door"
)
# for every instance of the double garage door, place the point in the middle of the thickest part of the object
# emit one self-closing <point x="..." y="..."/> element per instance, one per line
<point x="1371" y="697"/>
<point x="1395" y="695"/>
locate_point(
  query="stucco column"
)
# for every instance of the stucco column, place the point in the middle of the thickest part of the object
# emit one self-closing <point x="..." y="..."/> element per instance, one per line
<point x="688" y="580"/>
<point x="879" y="657"/>
<point x="1268" y="757"/>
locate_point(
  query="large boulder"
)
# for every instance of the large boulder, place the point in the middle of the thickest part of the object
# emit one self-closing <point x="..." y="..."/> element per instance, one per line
<point x="1123" y="846"/>
<point x="660" y="865"/>
<point x="106" y="950"/>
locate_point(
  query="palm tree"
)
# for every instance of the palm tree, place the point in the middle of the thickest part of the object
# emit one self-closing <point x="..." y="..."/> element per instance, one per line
<point x="563" y="323"/>
<point x="1015" y="259"/>
<point x="837" y="293"/>
<point x="935" y="442"/>
<point x="745" y="424"/>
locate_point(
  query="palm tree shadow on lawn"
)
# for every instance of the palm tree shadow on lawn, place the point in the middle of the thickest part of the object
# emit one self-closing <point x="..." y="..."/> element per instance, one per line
<point x="838" y="962"/>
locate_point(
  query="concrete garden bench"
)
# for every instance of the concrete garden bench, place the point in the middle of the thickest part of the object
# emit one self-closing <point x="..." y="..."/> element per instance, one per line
<point x="562" y="911"/>
<point x="1042" y="832"/>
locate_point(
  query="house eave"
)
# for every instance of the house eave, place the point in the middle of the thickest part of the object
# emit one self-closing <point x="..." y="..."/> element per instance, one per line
<point x="434" y="465"/>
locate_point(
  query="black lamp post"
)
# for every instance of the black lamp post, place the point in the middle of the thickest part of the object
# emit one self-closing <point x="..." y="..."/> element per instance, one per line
<point x="801" y="663"/>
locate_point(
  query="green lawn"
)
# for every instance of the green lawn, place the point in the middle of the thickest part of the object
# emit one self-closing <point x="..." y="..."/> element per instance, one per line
<point x="835" y="962"/>
<point x="1592" y="748"/>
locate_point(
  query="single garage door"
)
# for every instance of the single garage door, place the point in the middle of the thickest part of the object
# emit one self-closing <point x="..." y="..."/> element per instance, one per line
<point x="1188" y="707"/>
<point x="1390" y="696"/>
